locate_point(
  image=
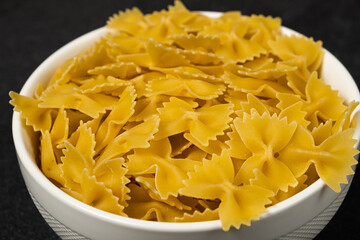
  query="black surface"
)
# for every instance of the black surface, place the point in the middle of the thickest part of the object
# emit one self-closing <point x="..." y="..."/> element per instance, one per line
<point x="31" y="30"/>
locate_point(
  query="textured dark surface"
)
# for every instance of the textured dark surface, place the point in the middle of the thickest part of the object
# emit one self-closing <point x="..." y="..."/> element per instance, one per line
<point x="31" y="30"/>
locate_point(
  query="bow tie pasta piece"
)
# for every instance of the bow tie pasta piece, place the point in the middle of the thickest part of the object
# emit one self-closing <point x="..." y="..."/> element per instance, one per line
<point x="239" y="204"/>
<point x="333" y="158"/>
<point x="261" y="132"/>
<point x="235" y="45"/>
<point x="136" y="137"/>
<point x="204" y="124"/>
<point x="265" y="136"/>
<point x="35" y="116"/>
<point x="292" y="47"/>
<point x="169" y="172"/>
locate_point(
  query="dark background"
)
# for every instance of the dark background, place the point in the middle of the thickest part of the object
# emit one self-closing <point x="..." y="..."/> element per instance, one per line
<point x="32" y="30"/>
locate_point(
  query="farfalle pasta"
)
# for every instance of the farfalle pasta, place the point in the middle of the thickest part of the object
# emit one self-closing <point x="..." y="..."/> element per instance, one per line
<point x="175" y="116"/>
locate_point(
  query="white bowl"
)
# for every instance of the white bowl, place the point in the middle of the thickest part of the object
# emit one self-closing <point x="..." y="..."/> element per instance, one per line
<point x="304" y="214"/>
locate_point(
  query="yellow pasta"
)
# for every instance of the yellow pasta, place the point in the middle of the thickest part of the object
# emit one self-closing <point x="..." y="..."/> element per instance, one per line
<point x="175" y="116"/>
<point x="49" y="165"/>
<point x="204" y="124"/>
<point x="306" y="49"/>
<point x="190" y="88"/>
<point x="332" y="165"/>
<point x="189" y="41"/>
<point x="265" y="136"/>
<point x="149" y="184"/>
<point x="234" y="210"/>
<point x="142" y="206"/>
<point x="118" y="116"/>
<point x="169" y="172"/>
<point x="38" y="118"/>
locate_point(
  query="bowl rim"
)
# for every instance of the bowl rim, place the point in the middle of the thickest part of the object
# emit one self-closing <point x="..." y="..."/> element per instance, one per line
<point x="26" y="160"/>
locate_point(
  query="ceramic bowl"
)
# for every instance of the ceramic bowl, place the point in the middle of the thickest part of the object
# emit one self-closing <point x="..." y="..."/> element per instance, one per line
<point x="304" y="214"/>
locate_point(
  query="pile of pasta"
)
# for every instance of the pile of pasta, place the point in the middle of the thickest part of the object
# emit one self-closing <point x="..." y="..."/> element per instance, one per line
<point x="176" y="116"/>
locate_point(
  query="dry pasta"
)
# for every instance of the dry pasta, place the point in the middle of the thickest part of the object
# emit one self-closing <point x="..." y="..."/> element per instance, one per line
<point x="178" y="117"/>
